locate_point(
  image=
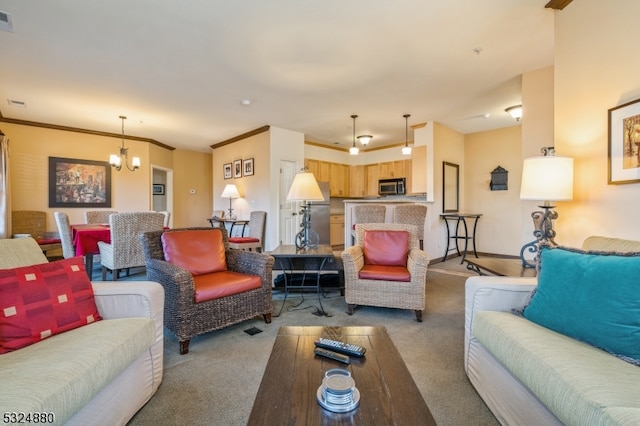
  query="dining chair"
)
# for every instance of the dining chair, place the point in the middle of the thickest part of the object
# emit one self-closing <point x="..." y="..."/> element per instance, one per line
<point x="64" y="229"/>
<point x="412" y="214"/>
<point x="125" y="250"/>
<point x="98" y="216"/>
<point x="367" y="213"/>
<point x="34" y="224"/>
<point x="254" y="240"/>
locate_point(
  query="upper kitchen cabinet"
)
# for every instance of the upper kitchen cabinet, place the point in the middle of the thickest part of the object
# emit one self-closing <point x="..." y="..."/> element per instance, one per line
<point x="357" y="181"/>
<point x="394" y="169"/>
<point x="372" y="172"/>
<point x="313" y="167"/>
<point x="339" y="180"/>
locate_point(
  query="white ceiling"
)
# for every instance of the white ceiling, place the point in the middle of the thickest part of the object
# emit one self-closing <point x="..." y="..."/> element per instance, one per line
<point x="179" y="69"/>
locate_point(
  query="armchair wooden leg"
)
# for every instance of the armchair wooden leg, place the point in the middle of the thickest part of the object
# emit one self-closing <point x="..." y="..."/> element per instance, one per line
<point x="267" y="318"/>
<point x="350" y="308"/>
<point x="184" y="346"/>
<point x="418" y="316"/>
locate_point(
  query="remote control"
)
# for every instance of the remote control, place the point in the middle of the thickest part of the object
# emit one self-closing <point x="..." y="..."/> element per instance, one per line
<point x="333" y="355"/>
<point x="341" y="347"/>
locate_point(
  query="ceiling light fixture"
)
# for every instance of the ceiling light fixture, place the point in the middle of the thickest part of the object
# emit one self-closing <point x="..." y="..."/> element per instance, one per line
<point x="406" y="149"/>
<point x="515" y="112"/>
<point x="354" y="149"/>
<point x="117" y="161"/>
<point x="365" y="139"/>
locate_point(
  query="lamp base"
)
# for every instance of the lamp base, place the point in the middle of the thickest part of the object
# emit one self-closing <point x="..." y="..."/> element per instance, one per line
<point x="544" y="233"/>
<point x="307" y="238"/>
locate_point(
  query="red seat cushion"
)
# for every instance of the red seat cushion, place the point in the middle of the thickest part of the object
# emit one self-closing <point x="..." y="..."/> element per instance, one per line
<point x="240" y="240"/>
<point x="43" y="241"/>
<point x="222" y="284"/>
<point x="389" y="248"/>
<point x="384" y="273"/>
<point x="198" y="251"/>
<point x="39" y="301"/>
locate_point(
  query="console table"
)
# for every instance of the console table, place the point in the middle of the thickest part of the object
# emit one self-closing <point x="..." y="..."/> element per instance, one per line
<point x="500" y="266"/>
<point x="454" y="234"/>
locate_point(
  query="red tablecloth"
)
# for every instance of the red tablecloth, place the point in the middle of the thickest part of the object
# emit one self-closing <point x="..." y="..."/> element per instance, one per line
<point x="86" y="237"/>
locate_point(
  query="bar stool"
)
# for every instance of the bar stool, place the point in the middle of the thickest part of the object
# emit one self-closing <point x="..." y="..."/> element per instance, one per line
<point x="412" y="214"/>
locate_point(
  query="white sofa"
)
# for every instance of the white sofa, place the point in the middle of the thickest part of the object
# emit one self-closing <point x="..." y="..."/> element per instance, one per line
<point x="98" y="374"/>
<point x="530" y="375"/>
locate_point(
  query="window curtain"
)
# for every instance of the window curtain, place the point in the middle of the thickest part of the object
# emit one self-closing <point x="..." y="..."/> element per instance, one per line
<point x="5" y="188"/>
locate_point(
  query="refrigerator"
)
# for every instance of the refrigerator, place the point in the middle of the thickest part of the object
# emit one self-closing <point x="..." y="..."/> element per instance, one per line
<point x="320" y="214"/>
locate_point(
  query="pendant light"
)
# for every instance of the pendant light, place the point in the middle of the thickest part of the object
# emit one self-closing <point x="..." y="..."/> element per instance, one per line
<point x="354" y="149"/>
<point x="406" y="149"/>
<point x="117" y="161"/>
<point x="365" y="139"/>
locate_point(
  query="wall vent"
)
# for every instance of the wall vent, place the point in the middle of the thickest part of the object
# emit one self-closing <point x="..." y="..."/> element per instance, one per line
<point x="6" y="23"/>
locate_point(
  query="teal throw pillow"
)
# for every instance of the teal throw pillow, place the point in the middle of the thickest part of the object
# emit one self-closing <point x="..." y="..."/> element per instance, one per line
<point x="590" y="296"/>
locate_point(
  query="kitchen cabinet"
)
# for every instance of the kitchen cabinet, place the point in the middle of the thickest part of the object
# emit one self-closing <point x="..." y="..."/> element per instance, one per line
<point x="313" y="166"/>
<point x="336" y="233"/>
<point x="324" y="172"/>
<point x="339" y="180"/>
<point x="357" y="181"/>
<point x="372" y="172"/>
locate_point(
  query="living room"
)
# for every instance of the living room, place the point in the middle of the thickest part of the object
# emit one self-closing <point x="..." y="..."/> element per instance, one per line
<point x="565" y="106"/>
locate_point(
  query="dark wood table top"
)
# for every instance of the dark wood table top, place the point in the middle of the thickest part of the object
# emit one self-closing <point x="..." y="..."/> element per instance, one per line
<point x="287" y="393"/>
<point x="323" y="250"/>
<point x="500" y="266"/>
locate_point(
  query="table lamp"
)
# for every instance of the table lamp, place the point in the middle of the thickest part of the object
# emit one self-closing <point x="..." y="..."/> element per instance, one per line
<point x="545" y="178"/>
<point x="305" y="188"/>
<point x="230" y="192"/>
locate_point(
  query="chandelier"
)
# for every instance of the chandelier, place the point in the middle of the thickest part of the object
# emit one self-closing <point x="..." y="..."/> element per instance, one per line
<point x="117" y="161"/>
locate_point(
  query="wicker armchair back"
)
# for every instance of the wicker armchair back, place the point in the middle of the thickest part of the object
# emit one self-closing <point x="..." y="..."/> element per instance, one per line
<point x="182" y="315"/>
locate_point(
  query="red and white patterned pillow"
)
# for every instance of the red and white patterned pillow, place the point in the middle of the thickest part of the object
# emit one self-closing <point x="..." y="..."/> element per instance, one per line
<point x="39" y="301"/>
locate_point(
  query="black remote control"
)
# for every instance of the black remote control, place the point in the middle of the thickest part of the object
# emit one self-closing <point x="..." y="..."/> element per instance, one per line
<point x="333" y="355"/>
<point x="341" y="347"/>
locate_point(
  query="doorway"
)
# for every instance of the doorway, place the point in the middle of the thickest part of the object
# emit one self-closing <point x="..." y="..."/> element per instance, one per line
<point x="288" y="213"/>
<point x="162" y="190"/>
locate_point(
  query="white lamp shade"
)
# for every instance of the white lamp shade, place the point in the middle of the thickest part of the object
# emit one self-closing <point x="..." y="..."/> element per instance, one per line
<point x="304" y="188"/>
<point x="230" y="191"/>
<point x="365" y="139"/>
<point x="547" y="178"/>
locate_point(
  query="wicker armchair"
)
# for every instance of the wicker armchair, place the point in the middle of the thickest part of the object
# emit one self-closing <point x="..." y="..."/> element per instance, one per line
<point x="381" y="292"/>
<point x="185" y="317"/>
<point x="98" y="216"/>
<point x="125" y="249"/>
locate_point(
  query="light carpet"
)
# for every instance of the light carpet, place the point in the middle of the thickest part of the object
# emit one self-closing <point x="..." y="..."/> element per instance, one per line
<point x="217" y="381"/>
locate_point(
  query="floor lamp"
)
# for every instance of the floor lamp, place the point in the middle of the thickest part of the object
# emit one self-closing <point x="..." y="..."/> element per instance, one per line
<point x="546" y="178"/>
<point x="305" y="188"/>
<point x="230" y="192"/>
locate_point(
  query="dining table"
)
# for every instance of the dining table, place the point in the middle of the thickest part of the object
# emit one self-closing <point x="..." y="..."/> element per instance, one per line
<point x="85" y="240"/>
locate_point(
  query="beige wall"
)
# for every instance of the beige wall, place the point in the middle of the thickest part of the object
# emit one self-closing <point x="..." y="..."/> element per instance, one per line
<point x="596" y="69"/>
<point x="192" y="188"/>
<point x="31" y="147"/>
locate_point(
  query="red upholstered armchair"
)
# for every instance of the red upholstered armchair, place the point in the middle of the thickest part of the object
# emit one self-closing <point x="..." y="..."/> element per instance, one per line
<point x="386" y="268"/>
<point x="208" y="286"/>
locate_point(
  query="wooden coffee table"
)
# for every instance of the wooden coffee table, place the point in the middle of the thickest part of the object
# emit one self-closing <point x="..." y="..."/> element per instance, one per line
<point x="287" y="393"/>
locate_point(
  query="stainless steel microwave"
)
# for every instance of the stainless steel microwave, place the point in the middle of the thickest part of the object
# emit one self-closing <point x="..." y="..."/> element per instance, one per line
<point x="394" y="186"/>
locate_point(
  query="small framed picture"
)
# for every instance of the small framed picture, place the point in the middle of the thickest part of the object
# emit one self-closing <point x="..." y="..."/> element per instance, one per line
<point x="237" y="169"/>
<point x="158" y="189"/>
<point x="247" y="167"/>
<point x="624" y="143"/>
<point x="227" y="171"/>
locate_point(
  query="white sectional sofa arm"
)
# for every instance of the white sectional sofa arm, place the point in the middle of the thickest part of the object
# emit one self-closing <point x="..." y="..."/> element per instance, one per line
<point x="489" y="293"/>
<point x="136" y="299"/>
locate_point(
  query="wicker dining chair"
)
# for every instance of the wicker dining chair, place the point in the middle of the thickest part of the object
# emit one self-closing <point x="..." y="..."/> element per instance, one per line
<point x="98" y="216"/>
<point x="125" y="249"/>
<point x="34" y="224"/>
<point x="254" y="240"/>
<point x="381" y="286"/>
<point x="412" y="214"/>
<point x="367" y="213"/>
<point x="64" y="229"/>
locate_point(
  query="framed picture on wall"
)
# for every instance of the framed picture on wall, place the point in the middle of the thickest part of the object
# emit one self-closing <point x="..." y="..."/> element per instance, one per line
<point x="247" y="167"/>
<point x="158" y="189"/>
<point x="226" y="170"/>
<point x="624" y="143"/>
<point x="79" y="183"/>
<point x="237" y="169"/>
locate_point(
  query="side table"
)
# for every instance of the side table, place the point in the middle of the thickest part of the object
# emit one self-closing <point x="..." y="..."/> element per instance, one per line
<point x="290" y="258"/>
<point x="457" y="236"/>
